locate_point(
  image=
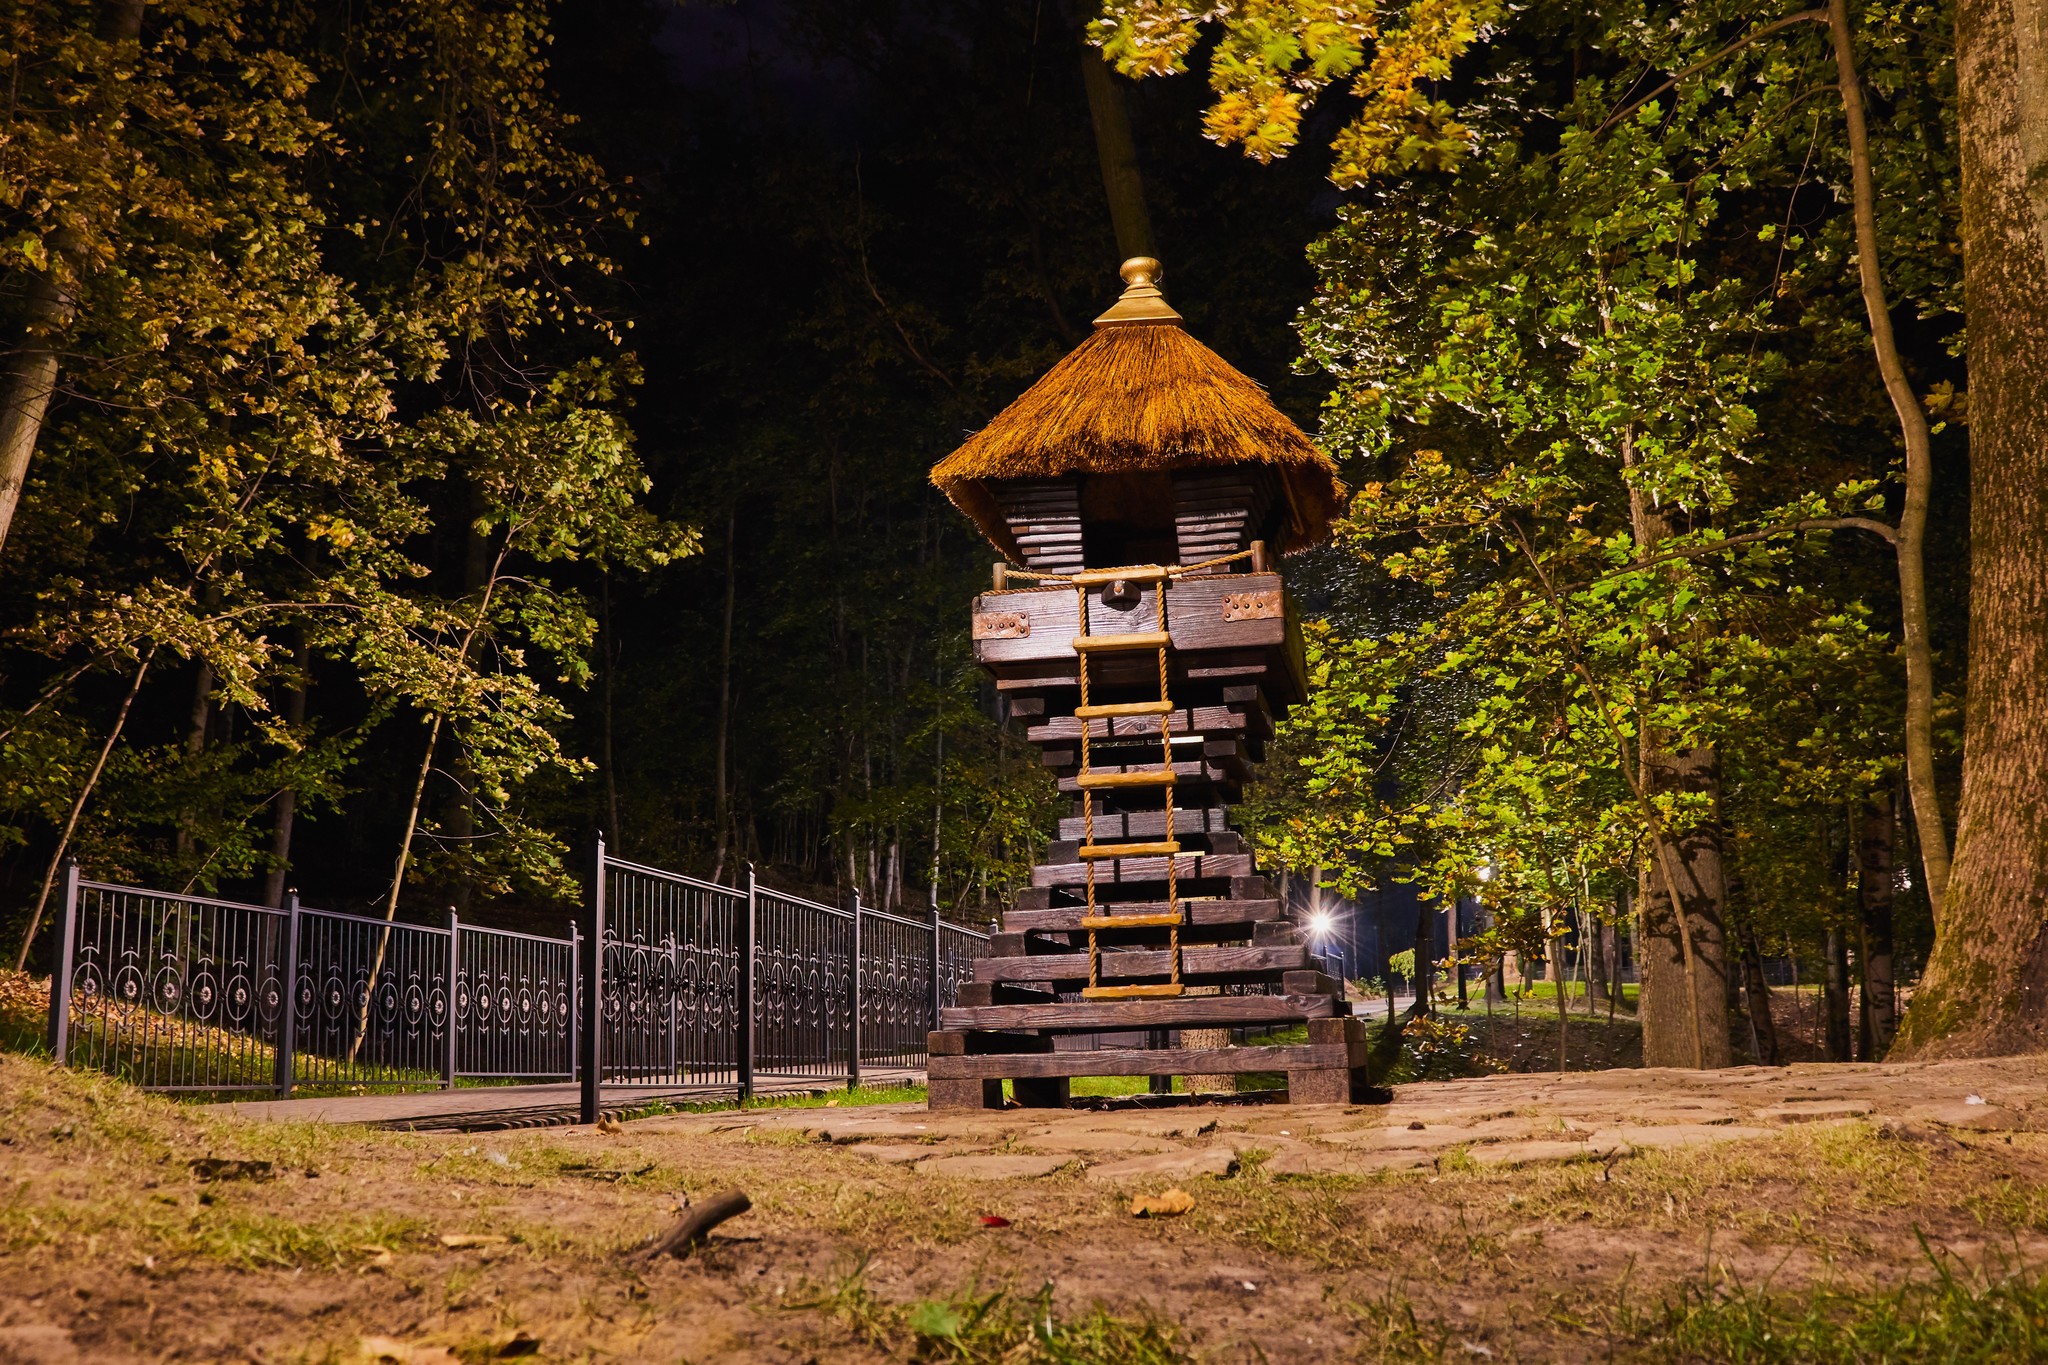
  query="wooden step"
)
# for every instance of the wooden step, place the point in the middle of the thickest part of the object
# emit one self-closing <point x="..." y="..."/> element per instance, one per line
<point x="1193" y="771"/>
<point x="1122" y="708"/>
<point x="1069" y="850"/>
<point x="1196" y="960"/>
<point x="1130" y="573"/>
<point x="1101" y="1016"/>
<point x="1137" y="639"/>
<point x="1098" y="852"/>
<point x="1164" y="777"/>
<point x="1159" y="991"/>
<point x="1159" y="921"/>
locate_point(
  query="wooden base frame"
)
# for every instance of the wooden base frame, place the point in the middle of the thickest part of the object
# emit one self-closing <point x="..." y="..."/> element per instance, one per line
<point x="967" y="1069"/>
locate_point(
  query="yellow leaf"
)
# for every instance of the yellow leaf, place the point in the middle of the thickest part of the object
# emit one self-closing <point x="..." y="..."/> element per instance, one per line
<point x="1171" y="1204"/>
<point x="463" y="1241"/>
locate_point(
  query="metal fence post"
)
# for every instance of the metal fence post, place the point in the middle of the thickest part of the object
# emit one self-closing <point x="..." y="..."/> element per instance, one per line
<point x="288" y="1026"/>
<point x="744" y="1044"/>
<point x="937" y="931"/>
<point x="592" y="1046"/>
<point x="454" y="968"/>
<point x="853" y="1001"/>
<point x="60" y="979"/>
<point x="575" y="999"/>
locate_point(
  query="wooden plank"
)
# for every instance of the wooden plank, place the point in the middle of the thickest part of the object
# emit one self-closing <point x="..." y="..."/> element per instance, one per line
<point x="1119" y="966"/>
<point x="1147" y="824"/>
<point x="1067" y="918"/>
<point x="1187" y="867"/>
<point x="1200" y="1011"/>
<point x="1144" y="725"/>
<point x="1207" y="1061"/>
<point x="1194" y="618"/>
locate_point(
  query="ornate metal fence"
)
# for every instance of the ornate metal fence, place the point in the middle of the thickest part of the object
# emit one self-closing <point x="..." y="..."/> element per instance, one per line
<point x="700" y="983"/>
<point x="695" y="985"/>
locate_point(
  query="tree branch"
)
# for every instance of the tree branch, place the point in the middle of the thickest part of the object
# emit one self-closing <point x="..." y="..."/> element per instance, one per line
<point x="1805" y="16"/>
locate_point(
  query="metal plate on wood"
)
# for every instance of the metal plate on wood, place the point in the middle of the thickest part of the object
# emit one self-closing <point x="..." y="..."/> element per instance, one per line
<point x="1003" y="625"/>
<point x="1262" y="605"/>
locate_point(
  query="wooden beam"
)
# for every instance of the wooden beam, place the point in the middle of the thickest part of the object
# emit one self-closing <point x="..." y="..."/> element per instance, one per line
<point x="1208" y="1061"/>
<point x="1198" y="912"/>
<point x="1201" y="1011"/>
<point x="1195" y="961"/>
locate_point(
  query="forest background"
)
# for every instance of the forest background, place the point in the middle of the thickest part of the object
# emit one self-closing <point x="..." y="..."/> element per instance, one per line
<point x="478" y="426"/>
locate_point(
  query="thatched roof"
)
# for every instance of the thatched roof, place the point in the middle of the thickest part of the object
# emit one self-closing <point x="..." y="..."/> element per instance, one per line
<point x="1140" y="395"/>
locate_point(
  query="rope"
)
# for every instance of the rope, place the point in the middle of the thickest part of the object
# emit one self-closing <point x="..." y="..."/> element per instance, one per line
<point x="1166" y="756"/>
<point x="1087" y="794"/>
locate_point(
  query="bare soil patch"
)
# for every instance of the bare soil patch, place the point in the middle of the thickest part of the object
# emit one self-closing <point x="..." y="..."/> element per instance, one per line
<point x="1512" y="1217"/>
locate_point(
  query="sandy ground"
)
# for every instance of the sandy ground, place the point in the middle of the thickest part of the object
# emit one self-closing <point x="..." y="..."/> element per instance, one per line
<point x="1515" y="1217"/>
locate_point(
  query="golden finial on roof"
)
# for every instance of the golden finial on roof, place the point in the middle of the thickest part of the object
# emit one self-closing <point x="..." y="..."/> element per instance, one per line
<point x="1141" y="301"/>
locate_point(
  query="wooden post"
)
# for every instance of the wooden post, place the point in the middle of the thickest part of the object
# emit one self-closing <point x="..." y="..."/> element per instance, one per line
<point x="744" y="1044"/>
<point x="1002" y="576"/>
<point x="853" y="1000"/>
<point x="591" y="1060"/>
<point x="288" y="1026"/>
<point x="454" y="967"/>
<point x="60" y="979"/>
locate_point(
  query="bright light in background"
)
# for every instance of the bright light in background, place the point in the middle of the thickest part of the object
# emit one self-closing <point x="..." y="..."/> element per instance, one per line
<point x="1320" y="924"/>
<point x="1485" y="874"/>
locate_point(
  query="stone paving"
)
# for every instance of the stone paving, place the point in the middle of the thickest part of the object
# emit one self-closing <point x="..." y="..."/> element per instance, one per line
<point x="1499" y="1121"/>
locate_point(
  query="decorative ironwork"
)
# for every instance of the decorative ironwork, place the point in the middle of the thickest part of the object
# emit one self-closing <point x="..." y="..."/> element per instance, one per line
<point x="189" y="993"/>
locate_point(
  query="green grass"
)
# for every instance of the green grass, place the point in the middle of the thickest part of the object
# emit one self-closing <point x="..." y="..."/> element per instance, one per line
<point x="822" y="1098"/>
<point x="978" y="1327"/>
<point x="1949" y="1315"/>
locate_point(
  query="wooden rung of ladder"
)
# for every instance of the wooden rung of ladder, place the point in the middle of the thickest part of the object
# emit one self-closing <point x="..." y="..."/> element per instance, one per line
<point x="1137" y="639"/>
<point x="1164" y="848"/>
<point x="1159" y="921"/>
<point x="1135" y="573"/>
<point x="1163" y="778"/>
<point x="1123" y="708"/>
<point x="1162" y="990"/>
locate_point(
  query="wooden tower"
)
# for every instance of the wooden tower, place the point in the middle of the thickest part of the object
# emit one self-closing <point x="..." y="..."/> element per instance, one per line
<point x="1141" y="493"/>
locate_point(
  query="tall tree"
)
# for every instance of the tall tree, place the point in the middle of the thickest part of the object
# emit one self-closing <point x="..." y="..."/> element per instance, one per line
<point x="1986" y="986"/>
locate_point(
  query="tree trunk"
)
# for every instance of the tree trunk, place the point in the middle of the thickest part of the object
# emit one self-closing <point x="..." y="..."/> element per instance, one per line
<point x="1117" y="150"/>
<point x="722" y="798"/>
<point x="1756" y="992"/>
<point x="1876" y="869"/>
<point x="29" y="380"/>
<point x="1909" y="542"/>
<point x="1836" y="951"/>
<point x="284" y="810"/>
<point x="1683" y="1007"/>
<point x="1596" y="963"/>
<point x="30" y="376"/>
<point x="1985" y="991"/>
<point x="1425" y="958"/>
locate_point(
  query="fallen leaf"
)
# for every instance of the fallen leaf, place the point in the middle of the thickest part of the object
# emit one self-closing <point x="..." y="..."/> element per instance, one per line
<point x="462" y="1241"/>
<point x="608" y="1125"/>
<point x="1171" y="1204"/>
<point x="994" y="1220"/>
<point x="380" y="1256"/>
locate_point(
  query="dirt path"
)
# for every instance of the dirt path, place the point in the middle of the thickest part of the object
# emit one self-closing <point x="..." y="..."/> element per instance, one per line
<point x="1516" y="1217"/>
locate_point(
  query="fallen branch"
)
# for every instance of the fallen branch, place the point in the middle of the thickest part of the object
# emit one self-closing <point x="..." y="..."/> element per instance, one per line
<point x="697" y="1221"/>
